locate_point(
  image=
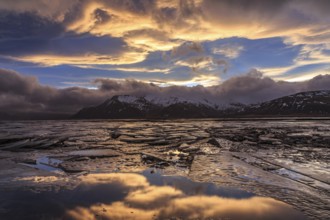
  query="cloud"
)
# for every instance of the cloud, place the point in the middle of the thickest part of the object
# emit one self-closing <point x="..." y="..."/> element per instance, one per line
<point x="53" y="9"/>
<point x="187" y="48"/>
<point x="30" y="38"/>
<point x="184" y="14"/>
<point x="204" y="65"/>
<point x="231" y="51"/>
<point x="27" y="25"/>
<point x="194" y="56"/>
<point x="310" y="55"/>
<point x="190" y="20"/>
<point x="126" y="38"/>
<point x="24" y="94"/>
<point x="160" y="25"/>
<point x="51" y="32"/>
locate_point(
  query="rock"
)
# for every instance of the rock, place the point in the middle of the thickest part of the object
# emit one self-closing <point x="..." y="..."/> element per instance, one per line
<point x="250" y="142"/>
<point x="191" y="149"/>
<point x="178" y="153"/>
<point x="150" y="158"/>
<point x="79" y="158"/>
<point x="267" y="140"/>
<point x="149" y="140"/>
<point x="214" y="142"/>
<point x="27" y="161"/>
<point x="183" y="146"/>
<point x="159" y="142"/>
<point x="70" y="168"/>
<point x="96" y="153"/>
<point x="115" y="134"/>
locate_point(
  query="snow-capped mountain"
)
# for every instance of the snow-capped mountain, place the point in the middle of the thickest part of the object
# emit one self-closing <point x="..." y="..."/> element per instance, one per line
<point x="167" y="101"/>
<point x="128" y="106"/>
<point x="315" y="103"/>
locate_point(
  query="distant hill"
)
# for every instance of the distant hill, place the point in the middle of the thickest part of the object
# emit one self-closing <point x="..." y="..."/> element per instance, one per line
<point x="314" y="103"/>
<point x="127" y="106"/>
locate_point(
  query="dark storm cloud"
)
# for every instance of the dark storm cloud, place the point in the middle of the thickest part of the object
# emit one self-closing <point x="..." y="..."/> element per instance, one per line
<point x="48" y="8"/>
<point x="72" y="45"/>
<point x="321" y="82"/>
<point x="14" y="83"/>
<point x="26" y="25"/>
<point x="24" y="93"/>
<point x="26" y="33"/>
<point x="20" y="93"/>
<point x="273" y="14"/>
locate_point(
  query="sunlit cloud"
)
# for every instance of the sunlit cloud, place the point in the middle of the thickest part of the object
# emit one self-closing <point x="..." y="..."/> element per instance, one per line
<point x="206" y="80"/>
<point x="304" y="75"/>
<point x="309" y="55"/>
<point x="196" y="62"/>
<point x="133" y="31"/>
<point x="53" y="60"/>
<point x="145" y="70"/>
<point x="231" y="51"/>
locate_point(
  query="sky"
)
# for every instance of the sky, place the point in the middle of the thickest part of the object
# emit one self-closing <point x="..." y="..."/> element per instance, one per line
<point x="79" y="47"/>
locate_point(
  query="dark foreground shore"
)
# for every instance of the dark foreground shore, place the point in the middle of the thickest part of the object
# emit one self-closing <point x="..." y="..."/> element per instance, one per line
<point x="131" y="169"/>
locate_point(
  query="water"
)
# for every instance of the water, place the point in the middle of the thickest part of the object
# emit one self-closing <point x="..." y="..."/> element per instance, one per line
<point x="46" y="163"/>
<point x="147" y="195"/>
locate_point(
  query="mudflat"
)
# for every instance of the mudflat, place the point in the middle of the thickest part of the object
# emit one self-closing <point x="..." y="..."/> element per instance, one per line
<point x="177" y="169"/>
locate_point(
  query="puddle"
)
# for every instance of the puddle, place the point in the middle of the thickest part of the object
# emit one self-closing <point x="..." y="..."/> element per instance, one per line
<point x="47" y="164"/>
<point x="148" y="195"/>
<point x="96" y="153"/>
<point x="302" y="178"/>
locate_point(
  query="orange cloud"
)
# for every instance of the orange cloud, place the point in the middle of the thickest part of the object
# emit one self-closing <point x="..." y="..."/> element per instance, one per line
<point x="164" y="25"/>
<point x="128" y="57"/>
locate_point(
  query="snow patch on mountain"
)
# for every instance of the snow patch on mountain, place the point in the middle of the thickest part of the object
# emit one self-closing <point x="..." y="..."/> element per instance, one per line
<point x="315" y="103"/>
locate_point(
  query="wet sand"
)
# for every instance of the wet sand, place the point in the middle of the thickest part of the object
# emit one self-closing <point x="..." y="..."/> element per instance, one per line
<point x="280" y="164"/>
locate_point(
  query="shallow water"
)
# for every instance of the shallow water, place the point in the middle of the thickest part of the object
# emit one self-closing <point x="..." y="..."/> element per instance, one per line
<point x="148" y="195"/>
<point x="49" y="161"/>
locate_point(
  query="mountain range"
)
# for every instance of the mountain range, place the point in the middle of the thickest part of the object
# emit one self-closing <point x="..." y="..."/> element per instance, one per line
<point x="313" y="103"/>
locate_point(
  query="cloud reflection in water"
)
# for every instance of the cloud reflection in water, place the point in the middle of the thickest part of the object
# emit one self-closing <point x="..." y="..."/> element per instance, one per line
<point x="146" y="201"/>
